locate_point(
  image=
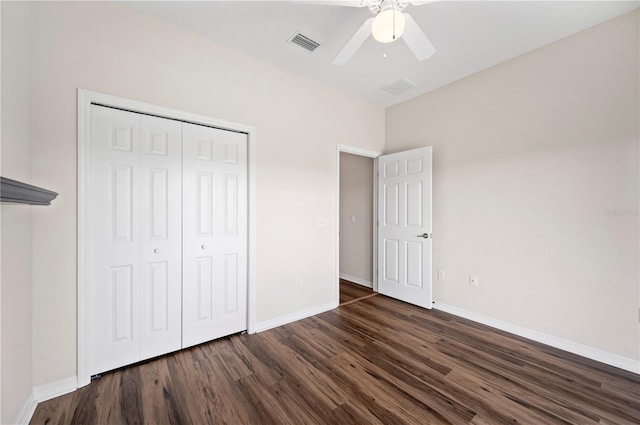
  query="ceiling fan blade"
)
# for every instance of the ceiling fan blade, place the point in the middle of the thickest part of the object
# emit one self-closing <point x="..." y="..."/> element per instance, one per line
<point x="416" y="40"/>
<point x="421" y="2"/>
<point x="352" y="45"/>
<point x="348" y="3"/>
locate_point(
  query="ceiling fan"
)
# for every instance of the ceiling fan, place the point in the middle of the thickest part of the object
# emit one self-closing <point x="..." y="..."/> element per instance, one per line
<point x="389" y="24"/>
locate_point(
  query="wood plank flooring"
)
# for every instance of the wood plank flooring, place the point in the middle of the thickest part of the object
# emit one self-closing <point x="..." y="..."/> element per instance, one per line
<point x="350" y="292"/>
<point x="374" y="361"/>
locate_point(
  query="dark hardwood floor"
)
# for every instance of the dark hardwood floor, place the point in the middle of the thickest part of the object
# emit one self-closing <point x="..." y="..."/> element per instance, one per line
<point x="350" y="292"/>
<point x="374" y="361"/>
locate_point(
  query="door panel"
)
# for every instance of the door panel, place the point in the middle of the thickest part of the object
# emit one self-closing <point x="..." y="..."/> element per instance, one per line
<point x="205" y="215"/>
<point x="231" y="203"/>
<point x="231" y="283"/>
<point x="115" y="207"/>
<point x="121" y="292"/>
<point x="404" y="210"/>
<point x="159" y="297"/>
<point x="122" y="203"/>
<point x="214" y="233"/>
<point x="205" y="289"/>
<point x="391" y="207"/>
<point x="413" y="264"/>
<point x="391" y="260"/>
<point x="136" y="172"/>
<point x="161" y="236"/>
<point x="414" y="204"/>
<point x="159" y="206"/>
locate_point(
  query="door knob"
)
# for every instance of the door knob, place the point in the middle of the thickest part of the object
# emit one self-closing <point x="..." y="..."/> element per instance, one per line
<point x="424" y="235"/>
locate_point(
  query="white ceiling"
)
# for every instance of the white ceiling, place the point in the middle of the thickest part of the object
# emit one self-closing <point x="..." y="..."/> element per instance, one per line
<point x="468" y="35"/>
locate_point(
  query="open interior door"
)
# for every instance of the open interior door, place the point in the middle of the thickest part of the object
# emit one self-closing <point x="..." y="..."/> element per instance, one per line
<point x="404" y="226"/>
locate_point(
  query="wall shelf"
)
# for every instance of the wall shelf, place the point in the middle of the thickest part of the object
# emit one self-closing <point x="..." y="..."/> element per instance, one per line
<point x="15" y="192"/>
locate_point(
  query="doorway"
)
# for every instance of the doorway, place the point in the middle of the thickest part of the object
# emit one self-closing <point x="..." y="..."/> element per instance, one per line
<point x="356" y="217"/>
<point x="402" y="210"/>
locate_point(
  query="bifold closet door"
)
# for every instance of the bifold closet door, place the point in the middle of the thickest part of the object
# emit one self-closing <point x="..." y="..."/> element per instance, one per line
<point x="214" y="233"/>
<point x="135" y="214"/>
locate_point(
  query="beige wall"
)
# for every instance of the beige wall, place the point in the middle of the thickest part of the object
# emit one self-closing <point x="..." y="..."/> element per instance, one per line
<point x="528" y="158"/>
<point x="531" y="160"/>
<point x="110" y="48"/>
<point x="356" y="199"/>
<point x="15" y="163"/>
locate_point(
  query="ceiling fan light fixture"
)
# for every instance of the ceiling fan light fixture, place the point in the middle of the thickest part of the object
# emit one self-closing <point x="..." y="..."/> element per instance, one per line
<point x="388" y="25"/>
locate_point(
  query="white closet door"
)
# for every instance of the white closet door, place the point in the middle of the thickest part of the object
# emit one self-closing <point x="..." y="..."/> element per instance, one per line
<point x="161" y="236"/>
<point x="115" y="216"/>
<point x="136" y="221"/>
<point x="214" y="233"/>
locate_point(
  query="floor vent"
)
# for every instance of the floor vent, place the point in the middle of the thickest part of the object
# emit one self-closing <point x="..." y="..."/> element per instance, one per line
<point x="303" y="41"/>
<point x="399" y="86"/>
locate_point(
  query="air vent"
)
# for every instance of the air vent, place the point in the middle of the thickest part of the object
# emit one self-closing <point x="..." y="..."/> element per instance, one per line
<point x="303" y="41"/>
<point x="399" y="86"/>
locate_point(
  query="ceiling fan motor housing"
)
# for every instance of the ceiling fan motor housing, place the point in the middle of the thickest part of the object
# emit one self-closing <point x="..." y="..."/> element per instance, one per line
<point x="377" y="6"/>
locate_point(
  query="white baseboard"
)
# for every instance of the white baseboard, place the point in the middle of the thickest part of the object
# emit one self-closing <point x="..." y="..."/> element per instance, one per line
<point x="43" y="393"/>
<point x="606" y="357"/>
<point x="28" y="408"/>
<point x="55" y="389"/>
<point x="292" y="317"/>
<point x="356" y="280"/>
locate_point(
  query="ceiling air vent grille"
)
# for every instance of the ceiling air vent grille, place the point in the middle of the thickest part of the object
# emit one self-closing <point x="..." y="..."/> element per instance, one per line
<point x="399" y="86"/>
<point x="303" y="41"/>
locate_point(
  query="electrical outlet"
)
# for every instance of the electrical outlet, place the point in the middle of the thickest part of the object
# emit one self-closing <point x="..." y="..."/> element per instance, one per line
<point x="473" y="280"/>
<point x="298" y="281"/>
<point x="441" y="274"/>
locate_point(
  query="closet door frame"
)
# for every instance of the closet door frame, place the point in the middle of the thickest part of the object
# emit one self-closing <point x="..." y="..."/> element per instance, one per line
<point x="86" y="98"/>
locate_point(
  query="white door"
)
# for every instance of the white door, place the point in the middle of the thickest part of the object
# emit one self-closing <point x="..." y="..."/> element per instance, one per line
<point x="115" y="216"/>
<point x="214" y="233"/>
<point x="161" y="236"/>
<point x="135" y="219"/>
<point x="404" y="226"/>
